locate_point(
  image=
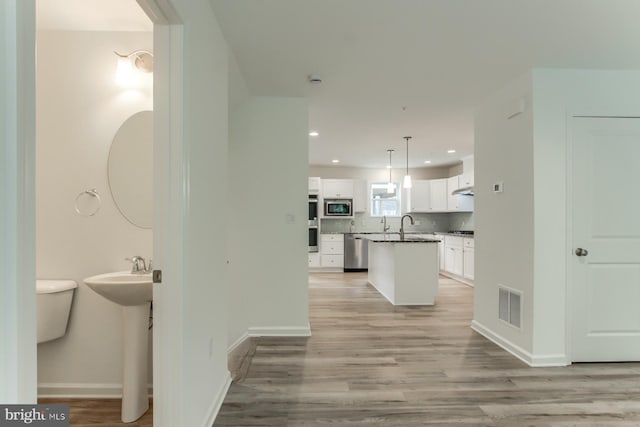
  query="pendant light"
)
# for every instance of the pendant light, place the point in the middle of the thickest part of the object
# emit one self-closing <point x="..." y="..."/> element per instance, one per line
<point x="407" y="177"/>
<point x="390" y="187"/>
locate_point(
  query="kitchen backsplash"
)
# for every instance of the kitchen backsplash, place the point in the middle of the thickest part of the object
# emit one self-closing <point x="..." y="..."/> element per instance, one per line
<point x="427" y="223"/>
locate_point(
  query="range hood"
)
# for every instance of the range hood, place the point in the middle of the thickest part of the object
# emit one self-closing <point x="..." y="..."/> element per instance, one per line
<point x="464" y="191"/>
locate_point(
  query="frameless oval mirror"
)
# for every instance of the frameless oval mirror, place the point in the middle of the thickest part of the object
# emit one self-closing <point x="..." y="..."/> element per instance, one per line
<point x="131" y="169"/>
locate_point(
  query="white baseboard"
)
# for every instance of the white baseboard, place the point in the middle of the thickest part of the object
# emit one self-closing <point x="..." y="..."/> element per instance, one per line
<point x="544" y="360"/>
<point x="457" y="278"/>
<point x="279" y="331"/>
<point x="213" y="410"/>
<point x="237" y="343"/>
<point x="83" y="390"/>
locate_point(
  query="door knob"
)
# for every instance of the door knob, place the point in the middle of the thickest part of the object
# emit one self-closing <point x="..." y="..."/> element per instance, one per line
<point x="582" y="252"/>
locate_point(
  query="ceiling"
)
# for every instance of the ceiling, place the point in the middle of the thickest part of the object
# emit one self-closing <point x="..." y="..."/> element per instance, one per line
<point x="393" y="68"/>
<point x="91" y="15"/>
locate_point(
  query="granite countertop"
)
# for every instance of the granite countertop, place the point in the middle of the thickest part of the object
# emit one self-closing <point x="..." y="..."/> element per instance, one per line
<point x="407" y="240"/>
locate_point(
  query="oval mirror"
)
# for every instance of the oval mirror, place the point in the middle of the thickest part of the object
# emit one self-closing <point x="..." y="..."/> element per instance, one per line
<point x="131" y="169"/>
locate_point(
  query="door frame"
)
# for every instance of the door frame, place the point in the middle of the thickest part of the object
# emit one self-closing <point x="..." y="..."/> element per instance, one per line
<point x="18" y="352"/>
<point x="569" y="260"/>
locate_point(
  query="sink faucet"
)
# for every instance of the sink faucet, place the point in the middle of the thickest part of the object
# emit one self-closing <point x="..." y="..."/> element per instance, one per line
<point x="385" y="227"/>
<point x="402" y="225"/>
<point x="139" y="266"/>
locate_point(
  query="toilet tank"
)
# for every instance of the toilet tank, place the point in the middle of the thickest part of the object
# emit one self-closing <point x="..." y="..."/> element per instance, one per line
<point x="53" y="298"/>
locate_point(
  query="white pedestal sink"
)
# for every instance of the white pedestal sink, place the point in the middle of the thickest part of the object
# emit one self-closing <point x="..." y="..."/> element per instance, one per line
<point x="134" y="293"/>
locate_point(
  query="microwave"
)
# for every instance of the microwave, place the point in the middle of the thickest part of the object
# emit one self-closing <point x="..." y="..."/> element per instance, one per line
<point x="338" y="207"/>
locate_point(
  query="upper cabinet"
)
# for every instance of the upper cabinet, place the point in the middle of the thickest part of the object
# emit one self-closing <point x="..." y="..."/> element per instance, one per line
<point x="453" y="184"/>
<point x="466" y="179"/>
<point x="434" y="195"/>
<point x="360" y="196"/>
<point x="314" y="185"/>
<point x="420" y="196"/>
<point x="337" y="188"/>
<point x="438" y="195"/>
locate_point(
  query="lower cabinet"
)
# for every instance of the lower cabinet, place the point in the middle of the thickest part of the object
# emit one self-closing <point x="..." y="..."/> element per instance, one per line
<point x="457" y="258"/>
<point x="453" y="254"/>
<point x="314" y="260"/>
<point x="468" y="258"/>
<point x="332" y="250"/>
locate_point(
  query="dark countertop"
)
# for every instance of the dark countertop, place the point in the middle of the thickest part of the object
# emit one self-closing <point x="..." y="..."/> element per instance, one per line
<point x="406" y="240"/>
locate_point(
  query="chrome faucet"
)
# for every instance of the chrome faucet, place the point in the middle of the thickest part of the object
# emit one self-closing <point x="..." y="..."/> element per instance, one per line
<point x="402" y="225"/>
<point x="385" y="227"/>
<point x="139" y="266"/>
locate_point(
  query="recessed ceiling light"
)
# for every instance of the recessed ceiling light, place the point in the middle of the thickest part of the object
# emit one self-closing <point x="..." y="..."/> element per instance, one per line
<point x="335" y="161"/>
<point x="451" y="151"/>
<point x="427" y="162"/>
<point x="313" y="133"/>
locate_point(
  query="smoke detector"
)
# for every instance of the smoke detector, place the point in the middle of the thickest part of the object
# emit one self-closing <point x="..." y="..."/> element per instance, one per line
<point x="315" y="79"/>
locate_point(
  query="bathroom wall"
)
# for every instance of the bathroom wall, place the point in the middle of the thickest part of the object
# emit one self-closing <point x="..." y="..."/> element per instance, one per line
<point x="79" y="110"/>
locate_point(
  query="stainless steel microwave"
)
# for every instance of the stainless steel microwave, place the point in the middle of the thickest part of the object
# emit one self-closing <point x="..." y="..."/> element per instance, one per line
<point x="338" y="207"/>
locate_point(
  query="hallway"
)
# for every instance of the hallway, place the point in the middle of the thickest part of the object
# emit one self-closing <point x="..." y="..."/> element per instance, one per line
<point x="369" y="363"/>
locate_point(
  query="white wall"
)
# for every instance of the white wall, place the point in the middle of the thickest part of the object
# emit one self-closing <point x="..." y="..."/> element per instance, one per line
<point x="504" y="221"/>
<point x="17" y="194"/>
<point x="79" y="110"/>
<point x="559" y="94"/>
<point x="267" y="224"/>
<point x="521" y="238"/>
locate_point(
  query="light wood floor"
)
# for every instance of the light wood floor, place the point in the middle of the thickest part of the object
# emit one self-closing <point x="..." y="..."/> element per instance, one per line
<point x="369" y="363"/>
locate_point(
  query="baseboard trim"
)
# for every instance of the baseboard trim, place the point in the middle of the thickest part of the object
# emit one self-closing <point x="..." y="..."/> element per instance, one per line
<point x="212" y="413"/>
<point x="536" y="361"/>
<point x="237" y="343"/>
<point x="279" y="331"/>
<point x="457" y="278"/>
<point x="83" y="390"/>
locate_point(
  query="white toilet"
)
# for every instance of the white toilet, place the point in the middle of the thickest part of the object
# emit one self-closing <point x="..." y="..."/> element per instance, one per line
<point x="53" y="307"/>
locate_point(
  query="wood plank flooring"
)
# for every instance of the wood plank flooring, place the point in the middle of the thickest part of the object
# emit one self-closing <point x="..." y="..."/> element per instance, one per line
<point x="369" y="363"/>
<point x="100" y="413"/>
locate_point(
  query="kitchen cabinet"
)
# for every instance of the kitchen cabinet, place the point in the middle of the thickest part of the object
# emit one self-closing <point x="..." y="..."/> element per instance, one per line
<point x="441" y="252"/>
<point x="466" y="180"/>
<point x="337" y="188"/>
<point x="360" y="199"/>
<point x="468" y="253"/>
<point x="419" y="196"/>
<point x="453" y="184"/>
<point x="453" y="255"/>
<point x="438" y="195"/>
<point x="332" y="250"/>
<point x="314" y="260"/>
<point x="314" y="185"/>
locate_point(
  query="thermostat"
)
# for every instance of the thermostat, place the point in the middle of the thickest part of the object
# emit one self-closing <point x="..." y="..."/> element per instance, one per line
<point x="497" y="187"/>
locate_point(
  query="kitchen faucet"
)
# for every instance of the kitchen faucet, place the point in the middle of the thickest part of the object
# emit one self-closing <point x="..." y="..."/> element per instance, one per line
<point x="385" y="227"/>
<point x="402" y="225"/>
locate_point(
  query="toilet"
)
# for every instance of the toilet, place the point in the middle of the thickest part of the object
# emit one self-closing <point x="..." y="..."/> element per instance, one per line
<point x="53" y="307"/>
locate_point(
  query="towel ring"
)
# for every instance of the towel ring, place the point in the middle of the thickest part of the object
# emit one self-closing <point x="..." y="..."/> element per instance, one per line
<point x="88" y="202"/>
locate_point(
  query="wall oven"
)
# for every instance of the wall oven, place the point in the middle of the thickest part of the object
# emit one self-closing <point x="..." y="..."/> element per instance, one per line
<point x="313" y="223"/>
<point x="338" y="207"/>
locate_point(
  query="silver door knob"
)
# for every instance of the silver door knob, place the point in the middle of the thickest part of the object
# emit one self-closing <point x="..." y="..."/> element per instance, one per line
<point x="582" y="252"/>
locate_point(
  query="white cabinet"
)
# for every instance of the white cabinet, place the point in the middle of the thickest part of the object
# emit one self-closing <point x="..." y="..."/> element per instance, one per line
<point x="438" y="195"/>
<point x="314" y="260"/>
<point x="314" y="185"/>
<point x="337" y="188"/>
<point x="332" y="250"/>
<point x="453" y="254"/>
<point x="441" y="252"/>
<point x="453" y="184"/>
<point x="466" y="179"/>
<point x="468" y="252"/>
<point x="360" y="195"/>
<point x="420" y="196"/>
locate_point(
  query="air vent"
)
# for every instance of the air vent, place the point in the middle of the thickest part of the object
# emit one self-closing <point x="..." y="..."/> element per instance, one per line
<point x="509" y="306"/>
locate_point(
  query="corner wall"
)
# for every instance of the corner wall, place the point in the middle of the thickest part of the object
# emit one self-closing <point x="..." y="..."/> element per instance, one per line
<point x="504" y="221"/>
<point x="268" y="170"/>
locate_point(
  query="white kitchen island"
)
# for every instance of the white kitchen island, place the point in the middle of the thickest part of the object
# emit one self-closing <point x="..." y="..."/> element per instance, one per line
<point x="404" y="271"/>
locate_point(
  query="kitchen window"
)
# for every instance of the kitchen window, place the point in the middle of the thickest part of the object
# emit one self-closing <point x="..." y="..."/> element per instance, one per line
<point x="384" y="203"/>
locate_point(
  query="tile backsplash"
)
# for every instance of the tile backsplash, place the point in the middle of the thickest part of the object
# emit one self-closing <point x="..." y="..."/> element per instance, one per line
<point x="425" y="222"/>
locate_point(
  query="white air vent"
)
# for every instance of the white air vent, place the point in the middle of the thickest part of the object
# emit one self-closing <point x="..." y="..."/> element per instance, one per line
<point x="509" y="306"/>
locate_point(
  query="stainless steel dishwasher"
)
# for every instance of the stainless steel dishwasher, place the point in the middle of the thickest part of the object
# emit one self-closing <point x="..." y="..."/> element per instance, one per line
<point x="356" y="253"/>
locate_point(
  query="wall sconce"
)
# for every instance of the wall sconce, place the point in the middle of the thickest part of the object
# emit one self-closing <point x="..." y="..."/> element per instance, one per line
<point x="129" y="66"/>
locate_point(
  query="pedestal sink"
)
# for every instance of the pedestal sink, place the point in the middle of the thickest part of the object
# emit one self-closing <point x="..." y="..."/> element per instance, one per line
<point x="134" y="293"/>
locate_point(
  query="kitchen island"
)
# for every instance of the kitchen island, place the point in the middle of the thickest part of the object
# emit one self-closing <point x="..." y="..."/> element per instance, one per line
<point x="405" y="272"/>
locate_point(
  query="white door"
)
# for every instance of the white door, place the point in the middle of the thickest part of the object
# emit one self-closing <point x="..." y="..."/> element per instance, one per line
<point x="605" y="214"/>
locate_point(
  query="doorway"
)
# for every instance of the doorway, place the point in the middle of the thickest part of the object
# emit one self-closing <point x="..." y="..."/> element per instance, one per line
<point x="605" y="239"/>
